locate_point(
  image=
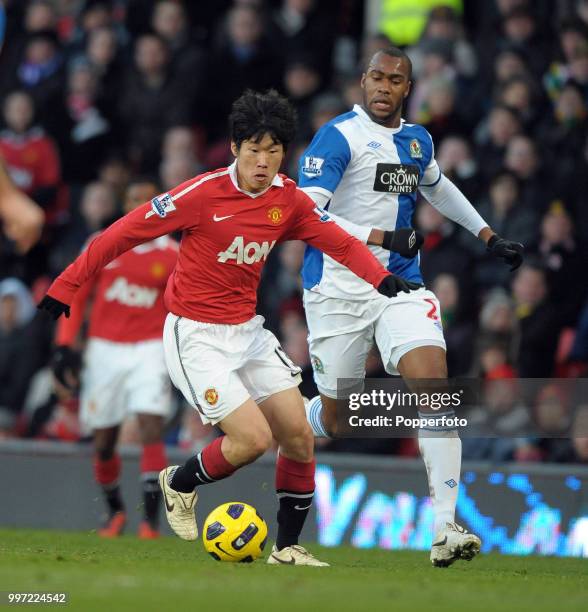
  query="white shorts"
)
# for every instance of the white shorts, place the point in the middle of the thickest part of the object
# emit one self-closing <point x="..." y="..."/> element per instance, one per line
<point x="121" y="378"/>
<point x="218" y="367"/>
<point x="342" y="332"/>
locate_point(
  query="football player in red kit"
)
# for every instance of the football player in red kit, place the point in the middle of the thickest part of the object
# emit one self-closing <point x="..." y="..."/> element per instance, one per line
<point x="124" y="370"/>
<point x="229" y="368"/>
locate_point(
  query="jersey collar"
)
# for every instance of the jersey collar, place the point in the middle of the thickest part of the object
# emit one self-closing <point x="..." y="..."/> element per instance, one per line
<point x="376" y="126"/>
<point x="277" y="182"/>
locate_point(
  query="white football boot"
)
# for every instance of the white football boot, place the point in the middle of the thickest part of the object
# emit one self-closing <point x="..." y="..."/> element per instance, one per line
<point x="453" y="542"/>
<point x="179" y="507"/>
<point x="293" y="555"/>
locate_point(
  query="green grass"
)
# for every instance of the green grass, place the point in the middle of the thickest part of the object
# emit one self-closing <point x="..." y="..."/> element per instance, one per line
<point x="170" y="574"/>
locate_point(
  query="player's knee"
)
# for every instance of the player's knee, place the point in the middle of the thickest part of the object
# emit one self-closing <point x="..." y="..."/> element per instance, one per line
<point x="299" y="443"/>
<point x="256" y="444"/>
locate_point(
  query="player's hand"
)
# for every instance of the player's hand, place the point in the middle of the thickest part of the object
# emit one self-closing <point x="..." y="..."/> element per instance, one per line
<point x="65" y="365"/>
<point x="54" y="307"/>
<point x="404" y="241"/>
<point x="511" y="252"/>
<point x="392" y="285"/>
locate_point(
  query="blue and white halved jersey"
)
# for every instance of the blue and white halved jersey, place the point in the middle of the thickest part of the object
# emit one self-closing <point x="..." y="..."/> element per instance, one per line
<point x="371" y="175"/>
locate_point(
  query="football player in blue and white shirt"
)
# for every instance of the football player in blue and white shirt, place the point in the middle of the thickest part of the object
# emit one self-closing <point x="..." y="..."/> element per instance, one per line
<point x="366" y="167"/>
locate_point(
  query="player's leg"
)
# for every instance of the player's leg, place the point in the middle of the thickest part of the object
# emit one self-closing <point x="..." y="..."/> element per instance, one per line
<point x="410" y="338"/>
<point x="203" y="361"/>
<point x="102" y="410"/>
<point x="148" y="393"/>
<point x="107" y="468"/>
<point x="153" y="460"/>
<point x="246" y="436"/>
<point x="340" y="338"/>
<point x="272" y="380"/>
<point x="441" y="452"/>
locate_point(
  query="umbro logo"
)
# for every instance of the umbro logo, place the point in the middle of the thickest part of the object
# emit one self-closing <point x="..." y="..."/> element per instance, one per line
<point x="374" y="145"/>
<point x="451" y="483"/>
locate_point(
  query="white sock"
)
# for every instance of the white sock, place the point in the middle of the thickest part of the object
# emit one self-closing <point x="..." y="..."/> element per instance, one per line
<point x="313" y="415"/>
<point x="441" y="452"/>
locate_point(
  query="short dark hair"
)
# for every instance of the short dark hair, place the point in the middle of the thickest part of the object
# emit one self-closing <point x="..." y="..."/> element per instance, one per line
<point x="393" y="52"/>
<point x="255" y="114"/>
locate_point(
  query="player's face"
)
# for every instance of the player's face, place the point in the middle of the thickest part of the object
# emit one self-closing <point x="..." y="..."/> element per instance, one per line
<point x="137" y="194"/>
<point x="257" y="163"/>
<point x="385" y="86"/>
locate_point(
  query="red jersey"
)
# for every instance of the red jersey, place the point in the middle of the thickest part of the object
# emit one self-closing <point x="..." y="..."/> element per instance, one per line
<point x="227" y="236"/>
<point x="31" y="159"/>
<point x="128" y="296"/>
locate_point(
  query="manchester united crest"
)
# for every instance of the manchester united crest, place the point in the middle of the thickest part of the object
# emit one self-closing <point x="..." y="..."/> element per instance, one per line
<point x="157" y="269"/>
<point x="275" y="214"/>
<point x="211" y="396"/>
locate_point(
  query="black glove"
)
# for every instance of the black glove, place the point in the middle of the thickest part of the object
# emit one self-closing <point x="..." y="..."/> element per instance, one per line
<point x="54" y="307"/>
<point x="404" y="241"/>
<point x="392" y="284"/>
<point x="511" y="252"/>
<point x="66" y="361"/>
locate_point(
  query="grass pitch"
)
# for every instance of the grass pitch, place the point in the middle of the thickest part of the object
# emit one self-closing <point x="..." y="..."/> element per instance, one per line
<point x="170" y="574"/>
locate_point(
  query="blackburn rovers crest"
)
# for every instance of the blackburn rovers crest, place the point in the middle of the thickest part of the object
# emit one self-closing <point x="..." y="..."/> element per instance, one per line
<point x="415" y="149"/>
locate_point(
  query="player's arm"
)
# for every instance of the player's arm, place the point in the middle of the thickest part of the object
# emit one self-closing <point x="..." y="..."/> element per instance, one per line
<point x="406" y="241"/>
<point x="450" y="202"/>
<point x="66" y="360"/>
<point x="22" y="219"/>
<point x="163" y="215"/>
<point x="314" y="226"/>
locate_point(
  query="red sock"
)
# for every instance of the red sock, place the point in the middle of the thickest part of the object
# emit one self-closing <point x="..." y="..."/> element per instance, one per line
<point x="295" y="489"/>
<point x="294" y="476"/>
<point x="107" y="472"/>
<point x="153" y="458"/>
<point x="214" y="462"/>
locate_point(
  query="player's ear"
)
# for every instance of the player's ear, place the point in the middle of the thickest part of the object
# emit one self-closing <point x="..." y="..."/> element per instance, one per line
<point x="362" y="82"/>
<point x="408" y="89"/>
<point x="234" y="148"/>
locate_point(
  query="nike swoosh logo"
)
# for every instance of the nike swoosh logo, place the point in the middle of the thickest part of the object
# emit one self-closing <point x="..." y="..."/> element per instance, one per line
<point x="223" y="550"/>
<point x="170" y="507"/>
<point x="302" y="507"/>
<point x="215" y="218"/>
<point x="291" y="562"/>
<point x="442" y="543"/>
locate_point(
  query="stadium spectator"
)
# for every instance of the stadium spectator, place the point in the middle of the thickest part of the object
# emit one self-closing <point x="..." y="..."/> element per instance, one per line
<point x="31" y="156"/>
<point x="169" y="20"/>
<point x="21" y="353"/>
<point x="444" y="24"/>
<point x="441" y="252"/>
<point x="41" y="72"/>
<point x="562" y="257"/>
<point x="504" y="212"/>
<point x="244" y="57"/>
<point x="303" y="27"/>
<point x="151" y="101"/>
<point x="456" y="160"/>
<point x="539" y="322"/>
<point x="104" y="54"/>
<point x="493" y="134"/>
<point x="457" y="329"/>
<point x="522" y="159"/>
<point x="86" y="134"/>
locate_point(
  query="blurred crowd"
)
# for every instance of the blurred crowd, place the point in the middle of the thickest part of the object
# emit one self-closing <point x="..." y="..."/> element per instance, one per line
<point x="95" y="92"/>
